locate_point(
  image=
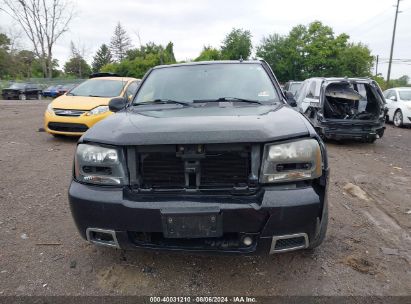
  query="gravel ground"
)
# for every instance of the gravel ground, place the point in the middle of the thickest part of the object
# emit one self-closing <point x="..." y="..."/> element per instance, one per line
<point x="366" y="252"/>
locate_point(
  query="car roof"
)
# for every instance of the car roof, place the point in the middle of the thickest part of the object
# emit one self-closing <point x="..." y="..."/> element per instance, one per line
<point x="341" y="79"/>
<point x="193" y="63"/>
<point x="401" y="88"/>
<point x="115" y="78"/>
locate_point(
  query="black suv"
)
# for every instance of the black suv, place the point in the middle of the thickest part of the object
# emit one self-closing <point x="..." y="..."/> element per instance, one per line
<point x="208" y="156"/>
<point x="22" y="91"/>
<point x="343" y="108"/>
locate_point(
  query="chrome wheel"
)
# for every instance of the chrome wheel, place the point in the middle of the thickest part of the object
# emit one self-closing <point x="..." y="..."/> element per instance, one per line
<point x="22" y="97"/>
<point x="398" y="119"/>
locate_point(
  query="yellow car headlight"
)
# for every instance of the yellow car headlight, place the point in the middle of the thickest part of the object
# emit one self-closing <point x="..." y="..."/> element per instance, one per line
<point x="291" y="161"/>
<point x="98" y="110"/>
<point x="50" y="109"/>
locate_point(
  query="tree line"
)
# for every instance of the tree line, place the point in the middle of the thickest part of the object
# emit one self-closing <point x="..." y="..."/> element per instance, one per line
<point x="306" y="51"/>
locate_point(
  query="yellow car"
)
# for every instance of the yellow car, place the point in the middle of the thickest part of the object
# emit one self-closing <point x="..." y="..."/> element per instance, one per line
<point x="80" y="108"/>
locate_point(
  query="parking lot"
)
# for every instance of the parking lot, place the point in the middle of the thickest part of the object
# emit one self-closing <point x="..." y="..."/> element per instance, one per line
<point x="366" y="251"/>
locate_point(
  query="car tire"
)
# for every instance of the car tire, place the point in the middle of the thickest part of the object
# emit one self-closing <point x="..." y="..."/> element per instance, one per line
<point x="398" y="119"/>
<point x="58" y="135"/>
<point x="323" y="230"/>
<point x="22" y="97"/>
<point x="370" y="140"/>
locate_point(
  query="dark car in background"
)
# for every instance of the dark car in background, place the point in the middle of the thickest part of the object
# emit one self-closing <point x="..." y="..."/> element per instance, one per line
<point x="344" y="108"/>
<point x="51" y="91"/>
<point x="292" y="86"/>
<point x="65" y="88"/>
<point x="207" y="156"/>
<point x="22" y="91"/>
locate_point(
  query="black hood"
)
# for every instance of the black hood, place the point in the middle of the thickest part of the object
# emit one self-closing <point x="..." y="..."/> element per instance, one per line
<point x="192" y="125"/>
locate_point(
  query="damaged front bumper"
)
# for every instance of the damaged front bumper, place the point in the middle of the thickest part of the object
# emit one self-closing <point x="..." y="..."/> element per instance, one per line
<point x="271" y="220"/>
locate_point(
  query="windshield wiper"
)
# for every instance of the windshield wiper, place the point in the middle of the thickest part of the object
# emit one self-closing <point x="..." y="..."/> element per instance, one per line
<point x="162" y="101"/>
<point x="222" y="99"/>
<point x="71" y="94"/>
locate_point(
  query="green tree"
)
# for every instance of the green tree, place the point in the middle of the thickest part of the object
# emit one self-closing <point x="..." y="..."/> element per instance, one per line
<point x="314" y="50"/>
<point x="400" y="82"/>
<point x="355" y="60"/>
<point x="120" y="43"/>
<point x="209" y="53"/>
<point x="77" y="67"/>
<point x="25" y="61"/>
<point x="237" y="44"/>
<point x="381" y="81"/>
<point x="139" y="60"/>
<point x="4" y="56"/>
<point x="284" y="61"/>
<point x="169" y="53"/>
<point x="102" y="57"/>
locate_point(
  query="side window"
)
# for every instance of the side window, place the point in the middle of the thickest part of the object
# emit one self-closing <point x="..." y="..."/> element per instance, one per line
<point x="131" y="89"/>
<point x="286" y="86"/>
<point x="302" y="92"/>
<point x="311" y="90"/>
<point x="391" y="93"/>
<point x="314" y="89"/>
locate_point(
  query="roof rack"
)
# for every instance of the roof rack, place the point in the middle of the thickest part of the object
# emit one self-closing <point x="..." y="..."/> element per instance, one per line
<point x="104" y="74"/>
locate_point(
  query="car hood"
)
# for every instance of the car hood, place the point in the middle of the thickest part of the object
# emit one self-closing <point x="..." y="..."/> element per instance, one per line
<point x="79" y="102"/>
<point x="194" y="125"/>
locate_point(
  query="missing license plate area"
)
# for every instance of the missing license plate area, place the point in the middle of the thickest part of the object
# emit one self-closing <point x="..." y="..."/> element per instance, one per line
<point x="192" y="225"/>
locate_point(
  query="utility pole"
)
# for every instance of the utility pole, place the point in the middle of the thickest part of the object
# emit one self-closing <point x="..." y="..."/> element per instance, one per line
<point x="376" y="65"/>
<point x="392" y="41"/>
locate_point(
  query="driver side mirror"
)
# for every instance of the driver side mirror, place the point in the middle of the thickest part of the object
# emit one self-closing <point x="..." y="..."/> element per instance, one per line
<point x="290" y="99"/>
<point x="393" y="98"/>
<point x="117" y="104"/>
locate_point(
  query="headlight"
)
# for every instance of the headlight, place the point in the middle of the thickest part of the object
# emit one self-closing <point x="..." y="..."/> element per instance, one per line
<point x="99" y="165"/>
<point x="98" y="110"/>
<point x="50" y="108"/>
<point x="292" y="161"/>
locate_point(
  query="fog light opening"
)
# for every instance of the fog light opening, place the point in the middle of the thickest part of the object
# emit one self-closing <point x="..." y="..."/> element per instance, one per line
<point x="247" y="241"/>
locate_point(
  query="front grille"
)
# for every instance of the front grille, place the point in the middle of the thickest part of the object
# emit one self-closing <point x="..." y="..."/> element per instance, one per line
<point x="67" y="127"/>
<point x="225" y="169"/>
<point x="65" y="112"/>
<point x="162" y="170"/>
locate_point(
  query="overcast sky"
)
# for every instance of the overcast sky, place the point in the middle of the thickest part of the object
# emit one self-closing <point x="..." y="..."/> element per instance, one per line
<point x="190" y="24"/>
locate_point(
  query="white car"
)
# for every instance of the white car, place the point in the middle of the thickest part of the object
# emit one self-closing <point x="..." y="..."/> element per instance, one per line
<point x="399" y="106"/>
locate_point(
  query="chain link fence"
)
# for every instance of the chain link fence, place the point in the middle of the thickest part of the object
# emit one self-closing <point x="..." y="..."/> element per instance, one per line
<point x="42" y="82"/>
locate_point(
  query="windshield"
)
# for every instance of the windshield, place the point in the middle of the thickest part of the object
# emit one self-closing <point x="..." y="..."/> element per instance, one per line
<point x="17" y="86"/>
<point x="405" y="95"/>
<point x="99" y="88"/>
<point x="208" y="82"/>
<point x="294" y="87"/>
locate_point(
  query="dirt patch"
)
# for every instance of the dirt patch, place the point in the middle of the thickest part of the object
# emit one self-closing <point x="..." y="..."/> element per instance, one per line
<point x="119" y="278"/>
<point x="356" y="191"/>
<point x="360" y="264"/>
